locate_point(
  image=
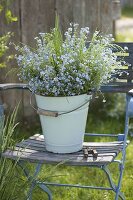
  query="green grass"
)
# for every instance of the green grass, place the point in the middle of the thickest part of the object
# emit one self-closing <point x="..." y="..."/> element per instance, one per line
<point x="127" y="34"/>
<point x="127" y="12"/>
<point x="11" y="184"/>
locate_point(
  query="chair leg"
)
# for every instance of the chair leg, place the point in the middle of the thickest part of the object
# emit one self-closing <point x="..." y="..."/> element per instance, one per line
<point x="29" y="196"/>
<point x="115" y="188"/>
<point x="128" y="114"/>
<point x="33" y="181"/>
<point x="46" y="190"/>
<point x="119" y="183"/>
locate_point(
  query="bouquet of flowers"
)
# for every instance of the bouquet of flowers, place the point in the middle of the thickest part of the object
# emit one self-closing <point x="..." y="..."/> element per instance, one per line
<point x="68" y="65"/>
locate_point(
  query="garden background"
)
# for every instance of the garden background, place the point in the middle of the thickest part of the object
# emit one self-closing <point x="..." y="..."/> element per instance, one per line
<point x="25" y="19"/>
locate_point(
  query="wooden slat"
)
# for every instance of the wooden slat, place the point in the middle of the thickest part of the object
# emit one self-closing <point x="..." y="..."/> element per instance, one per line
<point x="36" y="16"/>
<point x="65" y="12"/>
<point x="116" y="9"/>
<point x="86" y="10"/>
<point x="40" y="138"/>
<point x="106" y="10"/>
<point x="123" y="88"/>
<point x="40" y="149"/>
<point x="122" y="83"/>
<point x="33" y="150"/>
<point x="80" y="153"/>
<point x="128" y="59"/>
<point x="123" y="74"/>
<point x="8" y="74"/>
<point x="100" y="146"/>
<point x="57" y="158"/>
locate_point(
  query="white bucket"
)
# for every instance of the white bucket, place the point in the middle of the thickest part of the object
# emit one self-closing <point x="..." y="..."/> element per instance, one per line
<point x="65" y="133"/>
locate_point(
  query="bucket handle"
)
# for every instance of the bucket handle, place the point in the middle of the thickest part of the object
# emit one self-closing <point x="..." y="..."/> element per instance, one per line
<point x="51" y="113"/>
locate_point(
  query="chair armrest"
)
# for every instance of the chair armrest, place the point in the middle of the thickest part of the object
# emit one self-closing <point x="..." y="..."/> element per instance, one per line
<point x="7" y="86"/>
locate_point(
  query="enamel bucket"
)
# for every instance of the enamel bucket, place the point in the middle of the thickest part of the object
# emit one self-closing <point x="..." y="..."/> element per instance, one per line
<point x="63" y="121"/>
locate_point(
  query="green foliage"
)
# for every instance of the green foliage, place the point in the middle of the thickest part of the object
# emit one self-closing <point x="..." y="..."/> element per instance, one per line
<point x="9" y="17"/>
<point x="5" y="8"/>
<point x="108" y="106"/>
<point x="127" y="12"/>
<point x="124" y="36"/>
<point x="68" y="68"/>
<point x="1" y="8"/>
<point x="4" y="40"/>
<point x="11" y="184"/>
<point x="57" y="38"/>
<point x="8" y="131"/>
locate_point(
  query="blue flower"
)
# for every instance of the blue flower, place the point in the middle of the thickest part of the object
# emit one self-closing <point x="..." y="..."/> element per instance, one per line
<point x="67" y="67"/>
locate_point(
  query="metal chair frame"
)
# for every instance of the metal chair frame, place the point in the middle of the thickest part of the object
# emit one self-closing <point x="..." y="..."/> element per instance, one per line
<point x="114" y="187"/>
<point x="121" y="137"/>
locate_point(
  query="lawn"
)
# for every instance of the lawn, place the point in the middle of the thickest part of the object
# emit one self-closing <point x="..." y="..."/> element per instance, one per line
<point x="127" y="12"/>
<point x="124" y="26"/>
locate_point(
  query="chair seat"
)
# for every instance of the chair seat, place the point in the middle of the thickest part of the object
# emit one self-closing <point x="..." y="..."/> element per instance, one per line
<point x="33" y="150"/>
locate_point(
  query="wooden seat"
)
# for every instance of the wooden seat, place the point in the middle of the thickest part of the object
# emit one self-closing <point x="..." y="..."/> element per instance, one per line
<point x="33" y="150"/>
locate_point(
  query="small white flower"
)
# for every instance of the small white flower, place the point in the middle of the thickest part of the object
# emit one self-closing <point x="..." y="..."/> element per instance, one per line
<point x="125" y="48"/>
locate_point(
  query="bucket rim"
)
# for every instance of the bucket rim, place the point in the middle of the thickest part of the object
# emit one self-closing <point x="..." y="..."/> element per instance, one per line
<point x="89" y="94"/>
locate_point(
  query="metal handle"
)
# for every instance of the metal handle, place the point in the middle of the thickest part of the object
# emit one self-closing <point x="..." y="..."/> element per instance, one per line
<point x="51" y="113"/>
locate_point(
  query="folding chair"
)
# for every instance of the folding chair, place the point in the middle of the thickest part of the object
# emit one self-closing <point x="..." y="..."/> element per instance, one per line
<point x="94" y="154"/>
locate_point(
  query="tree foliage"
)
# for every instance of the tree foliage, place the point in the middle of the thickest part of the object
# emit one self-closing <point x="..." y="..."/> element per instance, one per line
<point x="4" y="39"/>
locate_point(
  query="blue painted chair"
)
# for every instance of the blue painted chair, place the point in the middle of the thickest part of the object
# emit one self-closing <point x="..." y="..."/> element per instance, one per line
<point x="94" y="154"/>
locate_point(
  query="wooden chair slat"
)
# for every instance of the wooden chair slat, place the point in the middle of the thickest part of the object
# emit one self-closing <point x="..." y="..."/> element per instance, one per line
<point x="99" y="149"/>
<point x="34" y="151"/>
<point x="66" y="159"/>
